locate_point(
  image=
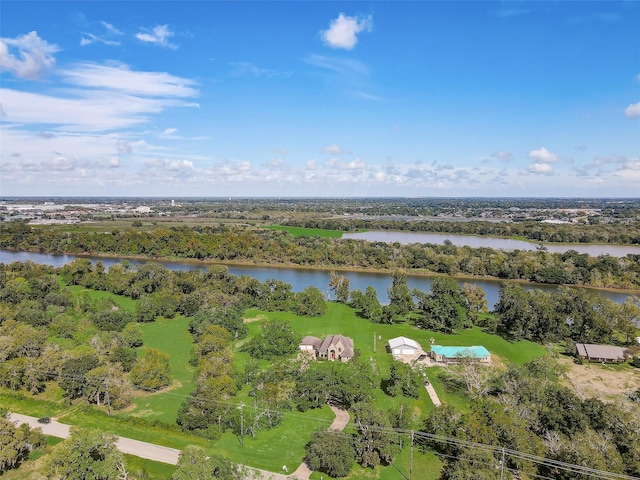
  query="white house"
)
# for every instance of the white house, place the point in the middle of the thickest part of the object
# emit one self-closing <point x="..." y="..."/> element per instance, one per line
<point x="403" y="346"/>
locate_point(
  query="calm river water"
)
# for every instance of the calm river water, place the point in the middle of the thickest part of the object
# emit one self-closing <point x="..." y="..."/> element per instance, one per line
<point x="492" y="242"/>
<point x="299" y="278"/>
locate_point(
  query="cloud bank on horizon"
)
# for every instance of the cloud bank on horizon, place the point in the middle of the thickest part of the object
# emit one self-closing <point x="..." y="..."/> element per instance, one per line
<point x="411" y="99"/>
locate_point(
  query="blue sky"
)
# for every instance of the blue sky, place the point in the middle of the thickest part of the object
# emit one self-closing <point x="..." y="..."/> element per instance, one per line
<point x="320" y="98"/>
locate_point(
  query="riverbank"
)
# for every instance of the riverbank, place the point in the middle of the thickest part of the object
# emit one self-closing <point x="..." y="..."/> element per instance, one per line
<point x="417" y="273"/>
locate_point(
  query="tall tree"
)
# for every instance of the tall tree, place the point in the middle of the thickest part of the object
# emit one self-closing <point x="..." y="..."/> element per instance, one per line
<point x="152" y="371"/>
<point x="444" y="308"/>
<point x="339" y="284"/>
<point x="195" y="464"/>
<point x="310" y="302"/>
<point x="375" y="442"/>
<point x="86" y="455"/>
<point x="331" y="452"/>
<point x="400" y="300"/>
<point x="16" y="443"/>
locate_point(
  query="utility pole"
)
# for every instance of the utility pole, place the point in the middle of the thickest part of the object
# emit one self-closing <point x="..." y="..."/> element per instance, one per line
<point x="411" y="457"/>
<point x="106" y="381"/>
<point x="502" y="464"/>
<point x="241" y="424"/>
<point x="374" y="342"/>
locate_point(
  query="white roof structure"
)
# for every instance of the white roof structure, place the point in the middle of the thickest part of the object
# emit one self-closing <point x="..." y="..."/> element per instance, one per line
<point x="403" y="342"/>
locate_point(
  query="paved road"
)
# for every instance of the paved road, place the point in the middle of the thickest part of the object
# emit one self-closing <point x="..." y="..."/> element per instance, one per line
<point x="150" y="451"/>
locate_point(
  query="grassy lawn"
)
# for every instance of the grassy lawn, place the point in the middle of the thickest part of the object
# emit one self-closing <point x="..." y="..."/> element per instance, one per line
<point x="172" y="337"/>
<point x="125" y="303"/>
<point x="307" y="232"/>
<point x="342" y="319"/>
<point x="281" y="446"/>
<point x="142" y="468"/>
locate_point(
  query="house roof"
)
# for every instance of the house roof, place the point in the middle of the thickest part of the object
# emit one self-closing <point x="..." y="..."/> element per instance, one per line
<point x="311" y="340"/>
<point x="476" y="351"/>
<point x="403" y="341"/>
<point x="610" y="352"/>
<point x="334" y="339"/>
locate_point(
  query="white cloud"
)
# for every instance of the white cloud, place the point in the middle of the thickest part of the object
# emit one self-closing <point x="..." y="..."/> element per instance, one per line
<point x="160" y="35"/>
<point x="122" y="78"/>
<point x="246" y="68"/>
<point x="544" y="168"/>
<point x="342" y="32"/>
<point x="502" y="155"/>
<point x="343" y="66"/>
<point x="543" y="156"/>
<point x="633" y="110"/>
<point x="334" y="150"/>
<point x="90" y="38"/>
<point x="169" y="131"/>
<point x="106" y="36"/>
<point x="111" y="29"/>
<point x="35" y="56"/>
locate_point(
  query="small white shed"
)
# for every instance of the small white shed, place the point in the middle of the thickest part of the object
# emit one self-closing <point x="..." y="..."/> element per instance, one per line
<point x="403" y="346"/>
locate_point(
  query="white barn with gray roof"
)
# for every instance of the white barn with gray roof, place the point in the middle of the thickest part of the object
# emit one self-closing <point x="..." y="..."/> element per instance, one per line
<point x="403" y="346"/>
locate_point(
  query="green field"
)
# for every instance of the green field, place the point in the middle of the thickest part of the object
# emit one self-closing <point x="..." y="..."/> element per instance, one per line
<point x="123" y="302"/>
<point x="172" y="337"/>
<point x="307" y="232"/>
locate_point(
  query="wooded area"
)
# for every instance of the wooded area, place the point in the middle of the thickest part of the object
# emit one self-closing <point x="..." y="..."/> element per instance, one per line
<point x="244" y="244"/>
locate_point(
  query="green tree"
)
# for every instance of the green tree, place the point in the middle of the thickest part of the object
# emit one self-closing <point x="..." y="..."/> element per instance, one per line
<point x="73" y="374"/>
<point x="277" y="339"/>
<point x="16" y="443"/>
<point x="375" y="441"/>
<point x="339" y="284"/>
<point x="112" y="319"/>
<point x="132" y="335"/>
<point x="371" y="308"/>
<point x="444" y="308"/>
<point x="476" y="300"/>
<point x="86" y="455"/>
<point x="152" y="371"/>
<point x="310" y="303"/>
<point x="331" y="452"/>
<point x="195" y="464"/>
<point x="404" y="381"/>
<point x="400" y="301"/>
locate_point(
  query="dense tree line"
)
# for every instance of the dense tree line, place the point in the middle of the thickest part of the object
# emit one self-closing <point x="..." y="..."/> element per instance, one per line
<point x="535" y="231"/>
<point x="551" y="316"/>
<point x="44" y="336"/>
<point x="269" y="247"/>
<point x="527" y="409"/>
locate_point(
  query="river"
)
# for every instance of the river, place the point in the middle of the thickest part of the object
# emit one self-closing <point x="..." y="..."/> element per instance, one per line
<point x="298" y="278"/>
<point x="406" y="238"/>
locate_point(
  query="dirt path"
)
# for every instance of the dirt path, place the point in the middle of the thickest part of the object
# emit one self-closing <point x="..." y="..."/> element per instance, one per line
<point x="342" y="418"/>
<point x="150" y="451"/>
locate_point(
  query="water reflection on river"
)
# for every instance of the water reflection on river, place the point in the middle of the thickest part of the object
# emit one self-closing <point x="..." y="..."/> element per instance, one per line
<point x="299" y="278"/>
<point x="406" y="238"/>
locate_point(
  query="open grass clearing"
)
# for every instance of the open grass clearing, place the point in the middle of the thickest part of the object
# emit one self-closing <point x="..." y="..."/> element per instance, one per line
<point x="307" y="232"/>
<point x="172" y="337"/>
<point x="123" y="302"/>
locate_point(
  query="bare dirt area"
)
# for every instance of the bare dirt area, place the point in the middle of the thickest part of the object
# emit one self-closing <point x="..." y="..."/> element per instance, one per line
<point x="254" y="319"/>
<point x="606" y="382"/>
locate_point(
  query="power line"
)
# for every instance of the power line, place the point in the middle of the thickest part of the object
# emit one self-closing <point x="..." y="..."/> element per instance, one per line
<point x="493" y="449"/>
